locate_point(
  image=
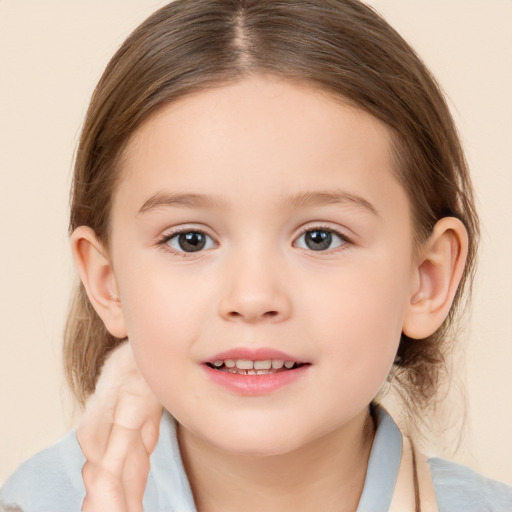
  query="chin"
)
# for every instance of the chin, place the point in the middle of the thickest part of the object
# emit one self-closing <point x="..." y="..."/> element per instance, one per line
<point x="248" y="438"/>
<point x="257" y="445"/>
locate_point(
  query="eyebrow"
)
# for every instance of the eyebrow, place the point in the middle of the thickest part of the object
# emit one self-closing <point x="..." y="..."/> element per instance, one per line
<point x="321" y="198"/>
<point x="167" y="199"/>
<point x="301" y="200"/>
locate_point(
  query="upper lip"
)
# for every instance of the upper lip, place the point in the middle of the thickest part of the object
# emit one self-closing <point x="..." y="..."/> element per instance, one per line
<point x="254" y="354"/>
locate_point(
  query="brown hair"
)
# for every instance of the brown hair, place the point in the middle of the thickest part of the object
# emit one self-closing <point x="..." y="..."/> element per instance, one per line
<point x="340" y="46"/>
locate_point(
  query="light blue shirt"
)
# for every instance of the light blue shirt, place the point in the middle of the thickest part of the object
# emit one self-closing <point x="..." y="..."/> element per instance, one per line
<point x="51" y="481"/>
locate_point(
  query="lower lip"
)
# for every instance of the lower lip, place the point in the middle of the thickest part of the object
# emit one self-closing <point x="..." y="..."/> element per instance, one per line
<point x="254" y="385"/>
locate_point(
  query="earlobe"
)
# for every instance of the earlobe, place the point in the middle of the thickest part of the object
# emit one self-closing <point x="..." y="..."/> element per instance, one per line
<point x="96" y="273"/>
<point x="437" y="277"/>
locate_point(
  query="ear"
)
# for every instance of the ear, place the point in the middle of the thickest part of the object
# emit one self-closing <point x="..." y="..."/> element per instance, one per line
<point x="96" y="273"/>
<point x="437" y="276"/>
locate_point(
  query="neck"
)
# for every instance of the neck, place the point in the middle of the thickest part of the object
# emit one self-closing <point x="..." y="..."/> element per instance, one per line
<point x="327" y="474"/>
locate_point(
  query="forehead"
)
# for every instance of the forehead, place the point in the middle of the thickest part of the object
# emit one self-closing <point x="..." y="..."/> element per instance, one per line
<point x="260" y="135"/>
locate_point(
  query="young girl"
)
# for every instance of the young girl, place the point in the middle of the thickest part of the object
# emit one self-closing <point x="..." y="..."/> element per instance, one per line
<point x="271" y="203"/>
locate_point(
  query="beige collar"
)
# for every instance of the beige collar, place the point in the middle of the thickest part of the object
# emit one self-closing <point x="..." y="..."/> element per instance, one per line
<point x="414" y="490"/>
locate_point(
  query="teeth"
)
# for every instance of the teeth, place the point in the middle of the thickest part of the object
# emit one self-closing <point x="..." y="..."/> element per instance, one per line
<point x="245" y="364"/>
<point x="263" y="365"/>
<point x="247" y="372"/>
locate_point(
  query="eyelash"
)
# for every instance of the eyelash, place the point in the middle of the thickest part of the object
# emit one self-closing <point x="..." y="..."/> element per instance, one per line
<point x="164" y="240"/>
<point x="345" y="241"/>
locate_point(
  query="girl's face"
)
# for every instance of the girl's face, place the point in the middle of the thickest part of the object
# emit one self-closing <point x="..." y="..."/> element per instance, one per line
<point x="262" y="221"/>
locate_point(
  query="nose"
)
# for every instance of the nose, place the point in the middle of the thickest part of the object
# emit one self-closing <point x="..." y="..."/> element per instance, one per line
<point x="255" y="290"/>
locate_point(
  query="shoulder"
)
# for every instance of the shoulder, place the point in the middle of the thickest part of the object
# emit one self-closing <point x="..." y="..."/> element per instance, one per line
<point x="460" y="488"/>
<point x="50" y="480"/>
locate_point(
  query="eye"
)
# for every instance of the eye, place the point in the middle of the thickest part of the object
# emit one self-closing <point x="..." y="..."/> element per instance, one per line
<point x="320" y="240"/>
<point x="189" y="241"/>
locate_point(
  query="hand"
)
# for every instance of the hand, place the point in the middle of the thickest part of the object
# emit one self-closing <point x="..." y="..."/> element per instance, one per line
<point x="117" y="434"/>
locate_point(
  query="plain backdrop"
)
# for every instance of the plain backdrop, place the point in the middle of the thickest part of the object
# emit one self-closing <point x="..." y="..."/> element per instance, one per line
<point x="51" y="55"/>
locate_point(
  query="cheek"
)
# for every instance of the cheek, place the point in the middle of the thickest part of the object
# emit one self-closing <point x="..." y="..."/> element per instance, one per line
<point x="359" y="324"/>
<point x="164" y="321"/>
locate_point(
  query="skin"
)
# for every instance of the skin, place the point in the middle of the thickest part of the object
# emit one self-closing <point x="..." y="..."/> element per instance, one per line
<point x="117" y="434"/>
<point x="250" y="148"/>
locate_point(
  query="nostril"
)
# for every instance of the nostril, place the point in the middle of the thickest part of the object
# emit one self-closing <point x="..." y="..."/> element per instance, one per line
<point x="267" y="314"/>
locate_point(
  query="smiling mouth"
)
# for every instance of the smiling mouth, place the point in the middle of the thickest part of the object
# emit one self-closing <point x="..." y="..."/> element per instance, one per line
<point x="248" y="367"/>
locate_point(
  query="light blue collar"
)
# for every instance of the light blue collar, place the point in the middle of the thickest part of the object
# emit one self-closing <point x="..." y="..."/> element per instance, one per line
<point x="168" y="489"/>
<point x="383" y="465"/>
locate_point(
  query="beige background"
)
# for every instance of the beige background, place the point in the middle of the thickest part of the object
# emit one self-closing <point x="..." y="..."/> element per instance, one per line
<point x="51" y="55"/>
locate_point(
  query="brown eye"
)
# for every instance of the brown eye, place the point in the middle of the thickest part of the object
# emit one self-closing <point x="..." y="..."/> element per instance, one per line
<point x="320" y="240"/>
<point x="190" y="241"/>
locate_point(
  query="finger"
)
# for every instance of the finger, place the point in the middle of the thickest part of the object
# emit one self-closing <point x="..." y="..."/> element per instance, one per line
<point x="94" y="428"/>
<point x="121" y="442"/>
<point x="121" y="396"/>
<point x="109" y="406"/>
<point x="150" y="431"/>
<point x="120" y="476"/>
<point x="93" y="435"/>
<point x="135" y="476"/>
<point x="133" y="410"/>
<point x="103" y="491"/>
